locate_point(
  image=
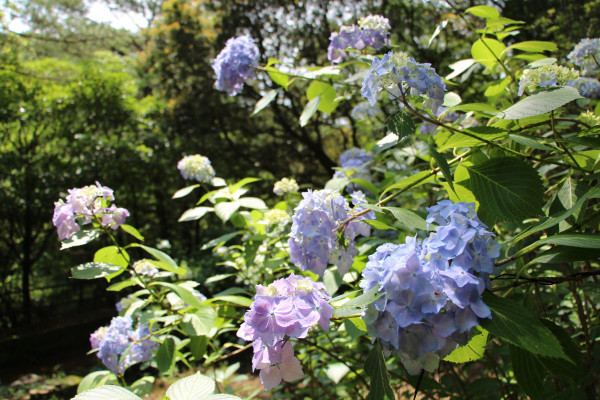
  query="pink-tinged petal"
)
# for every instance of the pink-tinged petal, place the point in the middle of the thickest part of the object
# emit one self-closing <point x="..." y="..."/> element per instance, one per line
<point x="291" y="369"/>
<point x="270" y="377"/>
<point x="287" y="351"/>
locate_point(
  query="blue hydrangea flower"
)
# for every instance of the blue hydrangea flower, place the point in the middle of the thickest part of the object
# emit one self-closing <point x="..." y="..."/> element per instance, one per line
<point x="396" y="73"/>
<point x="235" y="64"/>
<point x="372" y="31"/>
<point x="354" y="164"/>
<point x="313" y="244"/>
<point x="586" y="54"/>
<point x="432" y="292"/>
<point x="588" y="87"/>
<point x="364" y="110"/>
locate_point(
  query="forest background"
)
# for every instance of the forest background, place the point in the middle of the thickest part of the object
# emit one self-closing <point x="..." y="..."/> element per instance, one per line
<point x="81" y="102"/>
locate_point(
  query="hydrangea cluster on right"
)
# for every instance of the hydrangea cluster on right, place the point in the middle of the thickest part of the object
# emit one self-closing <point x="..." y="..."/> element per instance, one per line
<point x="586" y="55"/>
<point x="372" y="31"/>
<point x="432" y="288"/>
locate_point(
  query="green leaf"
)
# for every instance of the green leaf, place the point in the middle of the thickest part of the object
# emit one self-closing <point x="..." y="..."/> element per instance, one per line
<point x="571" y="192"/>
<point x="516" y="325"/>
<point x="264" y="101"/>
<point x="534" y="46"/>
<point x="583" y="240"/>
<point x="239" y="300"/>
<point x="490" y="54"/>
<point x="185" y="191"/>
<point x="451" y="99"/>
<point x="572" y="369"/>
<point x="132" y="231"/>
<point x="358" y="304"/>
<point x="79" y="238"/>
<point x="95" y="379"/>
<point x="327" y="94"/>
<point x="366" y="185"/>
<point x="112" y="255"/>
<point x="528" y="370"/>
<point x="253" y="202"/>
<point x="337" y="184"/>
<point x="198" y="346"/>
<point x="143" y="386"/>
<point x="379" y="387"/>
<point x="165" y="357"/>
<point x="458" y="139"/>
<point x="226" y="209"/>
<point x="279" y="78"/>
<point x="408" y="217"/>
<point x="484" y="12"/>
<point x="564" y="254"/>
<point x="507" y="188"/>
<point x="459" y="67"/>
<point x="529" y="142"/>
<point x="378" y="224"/>
<point x="220" y="240"/>
<point x="183" y="293"/>
<point x="540" y="103"/>
<point x="484" y="108"/>
<point x="195" y="213"/>
<point x="117" y="287"/>
<point x="437" y="31"/>
<point x="106" y="392"/>
<point x="473" y="350"/>
<point x="161" y="256"/>
<point x="410" y="181"/>
<point x="402" y="125"/>
<point x="309" y="110"/>
<point x="442" y="163"/>
<point x="193" y="387"/>
<point x="199" y="323"/>
<point x="94" y="270"/>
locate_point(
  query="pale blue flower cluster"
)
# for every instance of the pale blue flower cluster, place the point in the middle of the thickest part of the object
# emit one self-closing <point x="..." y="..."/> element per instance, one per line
<point x="196" y="167"/>
<point x="586" y="54"/>
<point x="372" y="31"/>
<point x="235" y="64"/>
<point x="364" y="110"/>
<point x="588" y="87"/>
<point x="145" y="267"/>
<point x="287" y="308"/>
<point x="396" y="72"/>
<point x="82" y="206"/>
<point x="354" y="164"/>
<point x="313" y="244"/>
<point x="546" y="76"/>
<point x="120" y="346"/>
<point x="432" y="288"/>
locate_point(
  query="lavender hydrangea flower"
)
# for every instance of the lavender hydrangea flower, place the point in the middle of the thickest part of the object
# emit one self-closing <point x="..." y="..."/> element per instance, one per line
<point x="84" y="205"/>
<point x="372" y="31"/>
<point x="287" y="308"/>
<point x="396" y="72"/>
<point x="354" y="164"/>
<point x="313" y="244"/>
<point x="113" y="341"/>
<point x="586" y="54"/>
<point x="235" y="64"/>
<point x="588" y="87"/>
<point x="432" y="291"/>
<point x="196" y="167"/>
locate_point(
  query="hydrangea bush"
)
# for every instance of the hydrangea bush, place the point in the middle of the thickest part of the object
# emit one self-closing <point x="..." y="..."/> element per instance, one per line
<point x="468" y="258"/>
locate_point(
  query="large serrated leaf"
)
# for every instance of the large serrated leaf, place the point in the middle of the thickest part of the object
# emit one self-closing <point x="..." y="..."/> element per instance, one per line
<point x="107" y="392"/>
<point x="584" y="240"/>
<point x="473" y="350"/>
<point x="507" y="188"/>
<point x="199" y="323"/>
<point x="408" y="217"/>
<point x="226" y="209"/>
<point x="528" y="370"/>
<point x="195" y="387"/>
<point x="541" y="103"/>
<point x="565" y="254"/>
<point x="165" y="356"/>
<point x="183" y="293"/>
<point x="112" y="255"/>
<point x="379" y="387"/>
<point x="516" y="325"/>
<point x="402" y="125"/>
<point x="487" y="51"/>
<point x="96" y="379"/>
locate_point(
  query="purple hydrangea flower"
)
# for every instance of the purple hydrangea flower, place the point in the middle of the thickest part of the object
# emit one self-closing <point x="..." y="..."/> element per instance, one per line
<point x="313" y="244"/>
<point x="432" y="292"/>
<point x="287" y="308"/>
<point x="586" y="54"/>
<point x="372" y="31"/>
<point x="354" y="164"/>
<point x="235" y="64"/>
<point x="396" y="72"/>
<point x="113" y="341"/>
<point x="82" y="206"/>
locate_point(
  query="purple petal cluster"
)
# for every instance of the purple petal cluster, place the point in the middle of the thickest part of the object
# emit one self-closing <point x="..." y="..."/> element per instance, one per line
<point x="588" y="87"/>
<point x="371" y="31"/>
<point x="82" y="206"/>
<point x="287" y="308"/>
<point x="354" y="164"/>
<point x="432" y="289"/>
<point x="586" y="54"/>
<point x="235" y="64"/>
<point x="313" y="244"/>
<point x="113" y="341"/>
<point x="196" y="167"/>
<point x="396" y="72"/>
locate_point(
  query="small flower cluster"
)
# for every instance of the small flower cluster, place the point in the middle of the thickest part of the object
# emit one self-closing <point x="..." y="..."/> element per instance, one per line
<point x="235" y="64"/>
<point x="586" y="54"/>
<point x="276" y="217"/>
<point x="364" y="110"/>
<point x="372" y="31"/>
<point x="196" y="167"/>
<point x="284" y="186"/>
<point x="432" y="288"/>
<point x="113" y="341"/>
<point x="546" y="76"/>
<point x="589" y="118"/>
<point x="145" y="267"/>
<point x="588" y="87"/>
<point x="354" y="164"/>
<point x="82" y="206"/>
<point x="313" y="244"/>
<point x="395" y="72"/>
<point x="287" y="308"/>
